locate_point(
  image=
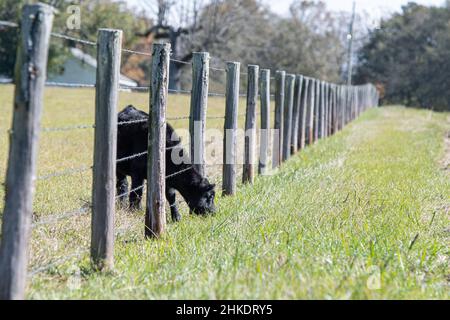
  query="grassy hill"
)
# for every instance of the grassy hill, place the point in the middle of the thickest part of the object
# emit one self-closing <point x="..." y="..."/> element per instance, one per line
<point x="361" y="215"/>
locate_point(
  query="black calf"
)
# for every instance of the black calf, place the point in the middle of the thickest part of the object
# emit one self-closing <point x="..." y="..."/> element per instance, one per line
<point x="132" y="139"/>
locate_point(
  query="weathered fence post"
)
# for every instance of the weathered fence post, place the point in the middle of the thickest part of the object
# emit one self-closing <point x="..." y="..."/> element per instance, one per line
<point x="296" y="114"/>
<point x="317" y="111"/>
<point x="322" y="110"/>
<point x="303" y="114"/>
<point x="326" y="108"/>
<point x="264" y="85"/>
<point x="155" y="217"/>
<point x="329" y="109"/>
<point x="109" y="46"/>
<point x="230" y="127"/>
<point x="250" y="125"/>
<point x="287" y="124"/>
<point x="335" y="109"/>
<point x="199" y="105"/>
<point x="31" y="68"/>
<point x="278" y="126"/>
<point x="311" y="111"/>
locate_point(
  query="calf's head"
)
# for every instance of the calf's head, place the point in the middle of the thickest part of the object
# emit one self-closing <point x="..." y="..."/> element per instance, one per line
<point x="202" y="199"/>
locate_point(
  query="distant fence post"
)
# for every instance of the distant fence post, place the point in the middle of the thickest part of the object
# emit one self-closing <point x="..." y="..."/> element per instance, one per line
<point x="278" y="127"/>
<point x="250" y="125"/>
<point x="155" y="217"/>
<point x="264" y="85"/>
<point x="296" y="114"/>
<point x="31" y="68"/>
<point x="288" y="106"/>
<point x="303" y="114"/>
<point x="311" y="111"/>
<point x="199" y="105"/>
<point x="334" y="109"/>
<point x="109" y="46"/>
<point x="329" y="109"/>
<point x="326" y="108"/>
<point x="317" y="111"/>
<point x="322" y="110"/>
<point x="230" y="127"/>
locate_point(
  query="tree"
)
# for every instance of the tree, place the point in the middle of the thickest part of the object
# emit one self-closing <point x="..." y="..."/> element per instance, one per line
<point x="408" y="57"/>
<point x="94" y="15"/>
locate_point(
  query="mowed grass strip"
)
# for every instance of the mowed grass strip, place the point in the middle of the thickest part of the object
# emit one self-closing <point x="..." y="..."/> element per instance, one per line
<point x="361" y="215"/>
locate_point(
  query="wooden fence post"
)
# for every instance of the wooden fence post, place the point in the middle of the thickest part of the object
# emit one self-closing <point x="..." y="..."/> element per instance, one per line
<point x="278" y="126"/>
<point x="199" y="105"/>
<point x="109" y="52"/>
<point x="264" y="85"/>
<point x="230" y="127"/>
<point x="322" y="111"/>
<point x="317" y="111"/>
<point x="31" y="68"/>
<point x="311" y="111"/>
<point x="287" y="121"/>
<point x="303" y="114"/>
<point x="250" y="125"/>
<point x="296" y="114"/>
<point x="335" y="109"/>
<point x="329" y="109"/>
<point x="326" y="101"/>
<point x="155" y="217"/>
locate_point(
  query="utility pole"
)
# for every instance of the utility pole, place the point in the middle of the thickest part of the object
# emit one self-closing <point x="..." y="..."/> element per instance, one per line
<point x="350" y="47"/>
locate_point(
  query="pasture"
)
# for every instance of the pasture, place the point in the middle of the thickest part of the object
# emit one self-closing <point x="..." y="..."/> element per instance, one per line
<point x="368" y="204"/>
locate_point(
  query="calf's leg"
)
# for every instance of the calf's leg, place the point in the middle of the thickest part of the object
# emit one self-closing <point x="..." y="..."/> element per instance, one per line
<point x="121" y="188"/>
<point x="171" y="197"/>
<point x="136" y="195"/>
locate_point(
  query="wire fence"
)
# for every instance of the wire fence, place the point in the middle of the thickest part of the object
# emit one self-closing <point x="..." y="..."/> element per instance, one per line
<point x="85" y="210"/>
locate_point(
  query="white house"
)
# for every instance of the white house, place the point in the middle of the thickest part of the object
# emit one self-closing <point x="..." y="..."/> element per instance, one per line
<point x="81" y="69"/>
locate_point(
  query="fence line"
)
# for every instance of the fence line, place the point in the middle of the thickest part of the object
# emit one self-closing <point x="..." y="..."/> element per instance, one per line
<point x="64" y="173"/>
<point x="312" y="109"/>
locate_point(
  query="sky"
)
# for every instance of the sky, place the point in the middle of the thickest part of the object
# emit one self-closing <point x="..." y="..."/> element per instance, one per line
<point x="375" y="9"/>
<point x="378" y="8"/>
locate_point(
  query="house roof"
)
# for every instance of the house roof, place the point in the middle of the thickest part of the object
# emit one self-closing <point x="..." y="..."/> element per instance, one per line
<point x="91" y="61"/>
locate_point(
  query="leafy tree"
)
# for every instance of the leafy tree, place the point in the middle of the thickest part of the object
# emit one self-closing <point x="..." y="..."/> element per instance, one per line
<point x="94" y="15"/>
<point x="408" y="56"/>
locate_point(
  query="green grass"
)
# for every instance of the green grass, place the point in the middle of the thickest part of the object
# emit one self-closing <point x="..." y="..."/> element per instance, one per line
<point x="371" y="203"/>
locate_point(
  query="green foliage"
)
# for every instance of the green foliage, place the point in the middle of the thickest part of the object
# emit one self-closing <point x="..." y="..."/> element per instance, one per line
<point x="94" y="15"/>
<point x="409" y="56"/>
<point x="9" y="11"/>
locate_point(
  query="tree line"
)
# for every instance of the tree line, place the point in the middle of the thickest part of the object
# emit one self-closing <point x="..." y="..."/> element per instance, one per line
<point x="310" y="40"/>
<point x="408" y="57"/>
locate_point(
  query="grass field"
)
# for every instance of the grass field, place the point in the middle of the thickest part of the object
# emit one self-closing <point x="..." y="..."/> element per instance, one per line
<point x="361" y="215"/>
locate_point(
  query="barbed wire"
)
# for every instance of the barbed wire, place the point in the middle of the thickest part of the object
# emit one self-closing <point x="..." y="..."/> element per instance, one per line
<point x="64" y="173"/>
<point x="181" y="62"/>
<point x="74" y="39"/>
<point x="124" y="123"/>
<point x="9" y="24"/>
<point x="137" y="52"/>
<point x="215" y="117"/>
<point x="68" y="128"/>
<point x="215" y="94"/>
<point x="179" y="91"/>
<point x="130" y="191"/>
<point x="6" y="81"/>
<point x="62" y="216"/>
<point x="178" y="118"/>
<point x="134" y="156"/>
<point x="69" y="85"/>
<point x="57" y="262"/>
<point x="178" y="173"/>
